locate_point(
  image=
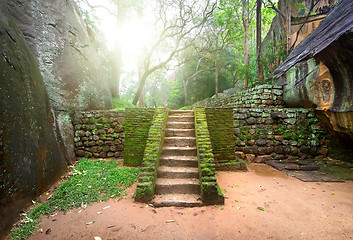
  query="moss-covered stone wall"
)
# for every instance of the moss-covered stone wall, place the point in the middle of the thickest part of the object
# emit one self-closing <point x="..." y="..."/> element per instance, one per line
<point x="262" y="96"/>
<point x="99" y="134"/>
<point x="210" y="191"/>
<point x="265" y="134"/>
<point x="147" y="179"/>
<point x="137" y="125"/>
<point x="220" y="123"/>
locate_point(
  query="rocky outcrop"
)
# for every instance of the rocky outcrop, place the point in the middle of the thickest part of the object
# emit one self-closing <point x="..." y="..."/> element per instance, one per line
<point x="319" y="73"/>
<point x="59" y="40"/>
<point x="49" y="70"/>
<point x="67" y="59"/>
<point x="30" y="156"/>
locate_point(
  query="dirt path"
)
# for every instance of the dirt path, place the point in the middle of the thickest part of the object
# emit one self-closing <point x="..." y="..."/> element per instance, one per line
<point x="292" y="210"/>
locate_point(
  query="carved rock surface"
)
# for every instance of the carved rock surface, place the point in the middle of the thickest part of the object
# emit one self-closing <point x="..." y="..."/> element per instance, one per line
<point x="319" y="73"/>
<point x="30" y="156"/>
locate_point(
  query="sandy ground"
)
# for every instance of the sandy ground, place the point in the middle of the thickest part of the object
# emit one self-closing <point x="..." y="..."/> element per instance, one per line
<point x="292" y="210"/>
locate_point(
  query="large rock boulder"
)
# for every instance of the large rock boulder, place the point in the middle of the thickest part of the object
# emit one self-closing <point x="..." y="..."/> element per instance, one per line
<point x="30" y="156"/>
<point x="64" y="50"/>
<point x="319" y="73"/>
<point x="49" y="69"/>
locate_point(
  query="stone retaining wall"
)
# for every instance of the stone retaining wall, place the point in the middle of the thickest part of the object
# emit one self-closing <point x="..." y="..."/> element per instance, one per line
<point x="262" y="96"/>
<point x="265" y="134"/>
<point x="137" y="125"/>
<point x="210" y="191"/>
<point x="220" y="123"/>
<point x="99" y="134"/>
<point x="146" y="183"/>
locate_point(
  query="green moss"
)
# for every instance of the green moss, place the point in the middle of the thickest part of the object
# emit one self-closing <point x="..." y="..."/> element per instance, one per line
<point x="137" y="125"/>
<point x="145" y="189"/>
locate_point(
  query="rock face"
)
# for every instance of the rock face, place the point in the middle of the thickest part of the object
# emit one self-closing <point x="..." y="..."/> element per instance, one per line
<point x="59" y="40"/>
<point x="30" y="155"/>
<point x="67" y="59"/>
<point x="319" y="73"/>
<point x="49" y="70"/>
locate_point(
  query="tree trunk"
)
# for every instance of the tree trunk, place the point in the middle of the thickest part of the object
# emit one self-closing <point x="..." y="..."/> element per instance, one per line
<point x="260" y="74"/>
<point x="142" y="80"/>
<point x="285" y="7"/>
<point x="118" y="50"/>
<point x="234" y="79"/>
<point x="216" y="73"/>
<point x="245" y="19"/>
<point x="246" y="55"/>
<point x="185" y="84"/>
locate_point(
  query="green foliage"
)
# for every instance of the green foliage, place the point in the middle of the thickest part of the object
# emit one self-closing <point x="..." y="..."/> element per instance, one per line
<point x="119" y="104"/>
<point x="90" y="181"/>
<point x="273" y="56"/>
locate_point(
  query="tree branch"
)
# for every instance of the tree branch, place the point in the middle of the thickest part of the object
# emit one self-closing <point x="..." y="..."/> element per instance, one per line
<point x="101" y="6"/>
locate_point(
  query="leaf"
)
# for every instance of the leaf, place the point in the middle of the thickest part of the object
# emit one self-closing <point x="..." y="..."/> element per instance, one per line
<point x="236" y="201"/>
<point x="261" y="208"/>
<point x="332" y="194"/>
<point x="89" y="223"/>
<point x="170" y="221"/>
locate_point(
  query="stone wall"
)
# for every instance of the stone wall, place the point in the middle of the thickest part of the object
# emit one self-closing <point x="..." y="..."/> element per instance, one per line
<point x="137" y="125"/>
<point x="210" y="191"/>
<point x="262" y="96"/>
<point x="99" y="134"/>
<point x="147" y="179"/>
<point x="220" y="123"/>
<point x="265" y="134"/>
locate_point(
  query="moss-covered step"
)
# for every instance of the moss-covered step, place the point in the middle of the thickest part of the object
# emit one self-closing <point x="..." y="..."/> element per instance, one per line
<point x="178" y="174"/>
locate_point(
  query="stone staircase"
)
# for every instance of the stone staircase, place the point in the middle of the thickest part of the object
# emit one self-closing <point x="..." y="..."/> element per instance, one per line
<point x="178" y="176"/>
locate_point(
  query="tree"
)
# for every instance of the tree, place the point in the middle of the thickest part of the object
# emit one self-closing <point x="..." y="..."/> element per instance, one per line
<point x="284" y="12"/>
<point x="180" y="21"/>
<point x="260" y="74"/>
<point x="122" y="7"/>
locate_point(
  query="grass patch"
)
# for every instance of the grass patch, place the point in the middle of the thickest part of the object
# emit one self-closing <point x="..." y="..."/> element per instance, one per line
<point x="121" y="104"/>
<point x="90" y="181"/>
<point x="185" y="108"/>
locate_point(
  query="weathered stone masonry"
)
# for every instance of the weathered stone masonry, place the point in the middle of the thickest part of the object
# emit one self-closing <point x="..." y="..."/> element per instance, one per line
<point x="99" y="134"/>
<point x="263" y="128"/>
<point x="262" y="96"/>
<point x="265" y="134"/>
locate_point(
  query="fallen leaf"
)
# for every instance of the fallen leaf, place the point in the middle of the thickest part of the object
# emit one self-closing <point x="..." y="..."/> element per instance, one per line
<point x="332" y="194"/>
<point x="97" y="238"/>
<point x="261" y="208"/>
<point x="89" y="223"/>
<point x="110" y="226"/>
<point x="99" y="212"/>
<point x="236" y="201"/>
<point x="170" y="221"/>
<point x="106" y="207"/>
<point x="48" y="231"/>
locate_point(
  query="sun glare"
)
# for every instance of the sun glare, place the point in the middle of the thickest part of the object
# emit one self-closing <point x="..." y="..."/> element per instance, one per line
<point x="135" y="36"/>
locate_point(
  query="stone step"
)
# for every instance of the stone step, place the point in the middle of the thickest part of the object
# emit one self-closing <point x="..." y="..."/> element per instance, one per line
<point x="177" y="172"/>
<point x="179" y="142"/>
<point x="181" y="119"/>
<point x="179" y="151"/>
<point x="181" y="125"/>
<point x="181" y="113"/>
<point x="177" y="186"/>
<point x="178" y="161"/>
<point x="177" y="200"/>
<point x="172" y="132"/>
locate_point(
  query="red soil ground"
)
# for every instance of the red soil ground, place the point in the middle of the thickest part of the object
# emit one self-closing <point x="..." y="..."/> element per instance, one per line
<point x="290" y="209"/>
